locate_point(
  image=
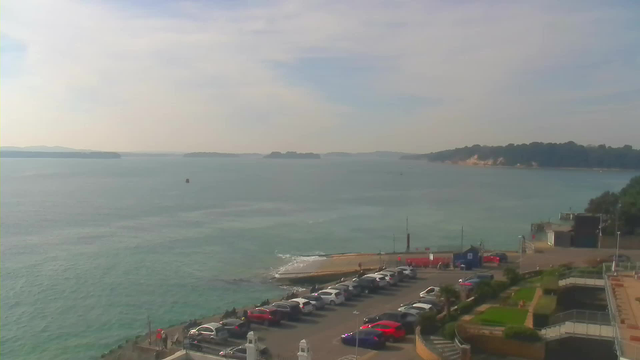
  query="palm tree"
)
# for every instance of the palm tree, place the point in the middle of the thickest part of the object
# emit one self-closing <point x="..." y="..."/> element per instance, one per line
<point x="449" y="293"/>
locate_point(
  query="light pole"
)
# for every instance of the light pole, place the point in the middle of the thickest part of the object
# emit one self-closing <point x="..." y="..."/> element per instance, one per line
<point x="521" y="238"/>
<point x="356" y="313"/>
<point x="615" y="260"/>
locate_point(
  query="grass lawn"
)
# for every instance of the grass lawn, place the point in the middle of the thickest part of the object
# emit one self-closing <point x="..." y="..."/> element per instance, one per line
<point x="501" y="316"/>
<point x="525" y="294"/>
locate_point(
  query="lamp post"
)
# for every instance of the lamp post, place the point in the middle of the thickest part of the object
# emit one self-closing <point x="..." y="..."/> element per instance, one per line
<point x="521" y="239"/>
<point x="615" y="260"/>
<point x="356" y="313"/>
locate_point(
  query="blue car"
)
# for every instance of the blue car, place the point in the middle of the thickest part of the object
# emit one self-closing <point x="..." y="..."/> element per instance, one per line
<point x="369" y="338"/>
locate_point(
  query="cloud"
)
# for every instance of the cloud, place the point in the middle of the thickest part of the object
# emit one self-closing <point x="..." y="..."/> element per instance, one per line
<point x="200" y="76"/>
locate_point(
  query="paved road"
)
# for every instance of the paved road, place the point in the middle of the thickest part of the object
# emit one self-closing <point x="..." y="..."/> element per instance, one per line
<point x="322" y="330"/>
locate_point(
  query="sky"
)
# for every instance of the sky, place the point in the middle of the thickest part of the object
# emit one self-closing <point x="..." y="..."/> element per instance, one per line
<point x="306" y="75"/>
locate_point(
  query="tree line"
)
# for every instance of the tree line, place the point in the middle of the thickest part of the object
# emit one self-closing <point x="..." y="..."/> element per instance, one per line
<point x="568" y="155"/>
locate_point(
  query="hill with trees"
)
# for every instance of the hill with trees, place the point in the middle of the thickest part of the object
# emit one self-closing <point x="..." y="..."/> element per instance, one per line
<point x="537" y="154"/>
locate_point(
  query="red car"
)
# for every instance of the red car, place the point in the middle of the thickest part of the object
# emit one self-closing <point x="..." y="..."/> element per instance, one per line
<point x="267" y="316"/>
<point x="392" y="330"/>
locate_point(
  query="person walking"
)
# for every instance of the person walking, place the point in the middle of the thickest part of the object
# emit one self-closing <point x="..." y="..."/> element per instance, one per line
<point x="165" y="339"/>
<point x="158" y="337"/>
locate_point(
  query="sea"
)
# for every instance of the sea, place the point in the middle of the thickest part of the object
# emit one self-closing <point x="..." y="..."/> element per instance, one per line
<point x="91" y="249"/>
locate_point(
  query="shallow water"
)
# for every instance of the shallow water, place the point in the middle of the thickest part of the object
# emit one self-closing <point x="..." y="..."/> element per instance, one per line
<point x="91" y="247"/>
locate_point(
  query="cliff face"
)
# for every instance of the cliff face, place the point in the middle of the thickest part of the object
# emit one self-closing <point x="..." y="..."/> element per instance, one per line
<point x="59" y="155"/>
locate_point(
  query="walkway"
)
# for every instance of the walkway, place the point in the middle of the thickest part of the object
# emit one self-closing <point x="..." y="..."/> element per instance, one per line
<point x="529" y="321"/>
<point x="447" y="349"/>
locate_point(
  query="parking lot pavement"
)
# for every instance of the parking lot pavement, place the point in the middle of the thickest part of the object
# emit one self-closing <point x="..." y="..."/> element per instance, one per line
<point x="323" y="328"/>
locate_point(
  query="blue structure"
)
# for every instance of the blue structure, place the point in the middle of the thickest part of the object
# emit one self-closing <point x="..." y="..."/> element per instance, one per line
<point x="470" y="258"/>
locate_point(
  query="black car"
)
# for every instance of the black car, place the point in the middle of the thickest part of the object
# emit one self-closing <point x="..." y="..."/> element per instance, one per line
<point x="369" y="285"/>
<point x="621" y="258"/>
<point x="236" y="328"/>
<point x="501" y="256"/>
<point x="355" y="288"/>
<point x="408" y="320"/>
<point x="437" y="304"/>
<point x="290" y="310"/>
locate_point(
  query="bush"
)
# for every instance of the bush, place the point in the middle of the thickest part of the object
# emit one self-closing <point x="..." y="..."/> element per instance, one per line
<point x="449" y="331"/>
<point x="512" y="275"/>
<point x="484" y="291"/>
<point x="428" y="323"/>
<point x="549" y="284"/>
<point x="543" y="310"/>
<point x="499" y="286"/>
<point x="453" y="317"/>
<point x="465" y="307"/>
<point x="521" y="333"/>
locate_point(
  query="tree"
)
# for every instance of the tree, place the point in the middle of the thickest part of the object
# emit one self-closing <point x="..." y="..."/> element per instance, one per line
<point x="484" y="291"/>
<point x="622" y="207"/>
<point x="449" y="294"/>
<point x="512" y="275"/>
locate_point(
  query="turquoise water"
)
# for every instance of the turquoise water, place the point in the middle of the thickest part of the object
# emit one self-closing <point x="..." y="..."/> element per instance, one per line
<point x="89" y="248"/>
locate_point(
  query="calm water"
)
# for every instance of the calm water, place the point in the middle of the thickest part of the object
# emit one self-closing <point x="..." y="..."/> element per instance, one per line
<point x="90" y="247"/>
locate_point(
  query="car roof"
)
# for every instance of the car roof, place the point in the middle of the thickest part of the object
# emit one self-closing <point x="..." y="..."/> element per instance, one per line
<point x="302" y="300"/>
<point x="211" y="325"/>
<point x="369" y="332"/>
<point x="422" y="305"/>
<point x="313" y="296"/>
<point x="268" y="308"/>
<point x="231" y="321"/>
<point x="330" y="290"/>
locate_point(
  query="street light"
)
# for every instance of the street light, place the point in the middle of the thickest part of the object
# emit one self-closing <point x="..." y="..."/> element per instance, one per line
<point x="521" y="252"/>
<point x="356" y="313"/>
<point x="615" y="260"/>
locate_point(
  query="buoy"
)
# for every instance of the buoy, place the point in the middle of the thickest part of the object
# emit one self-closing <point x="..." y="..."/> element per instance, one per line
<point x="187" y="181"/>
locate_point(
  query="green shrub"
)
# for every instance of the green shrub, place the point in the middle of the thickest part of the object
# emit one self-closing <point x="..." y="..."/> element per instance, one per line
<point x="484" y="291"/>
<point x="499" y="286"/>
<point x="549" y="284"/>
<point x="428" y="323"/>
<point x="449" y="331"/>
<point x="453" y="317"/>
<point x="521" y="333"/>
<point x="465" y="307"/>
<point x="512" y="275"/>
<point x="543" y="310"/>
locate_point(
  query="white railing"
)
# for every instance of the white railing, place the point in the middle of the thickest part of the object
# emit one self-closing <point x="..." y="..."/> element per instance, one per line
<point x="582" y="316"/>
<point x="580" y="329"/>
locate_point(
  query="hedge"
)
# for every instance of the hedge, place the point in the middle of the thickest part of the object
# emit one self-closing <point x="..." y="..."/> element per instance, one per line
<point x="543" y="310"/>
<point x="549" y="285"/>
<point x="449" y="331"/>
<point x="521" y="333"/>
<point x="428" y="323"/>
<point x="499" y="286"/>
<point x="465" y="307"/>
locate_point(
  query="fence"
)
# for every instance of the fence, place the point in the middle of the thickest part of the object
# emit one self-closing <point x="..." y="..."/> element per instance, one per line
<point x="582" y="316"/>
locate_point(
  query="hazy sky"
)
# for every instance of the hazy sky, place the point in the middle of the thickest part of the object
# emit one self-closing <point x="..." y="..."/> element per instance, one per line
<point x="258" y="76"/>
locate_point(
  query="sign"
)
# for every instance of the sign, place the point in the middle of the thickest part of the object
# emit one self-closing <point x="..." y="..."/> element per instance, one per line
<point x="431" y="257"/>
<point x="470" y="256"/>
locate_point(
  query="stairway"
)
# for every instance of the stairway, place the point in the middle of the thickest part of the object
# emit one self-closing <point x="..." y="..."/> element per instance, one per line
<point x="447" y="349"/>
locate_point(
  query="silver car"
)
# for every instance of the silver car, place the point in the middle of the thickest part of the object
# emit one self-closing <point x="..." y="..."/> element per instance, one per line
<point x="212" y="332"/>
<point x="408" y="270"/>
<point x="240" y="352"/>
<point x="391" y="276"/>
<point x="316" y="300"/>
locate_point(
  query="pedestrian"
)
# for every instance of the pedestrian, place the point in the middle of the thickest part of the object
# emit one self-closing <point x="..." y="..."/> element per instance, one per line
<point x="165" y="339"/>
<point x="158" y="337"/>
<point x="360" y="266"/>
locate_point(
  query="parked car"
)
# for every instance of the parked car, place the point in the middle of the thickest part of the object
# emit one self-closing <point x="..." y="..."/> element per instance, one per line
<point x="478" y="276"/>
<point x="381" y="279"/>
<point x="432" y="291"/>
<point x="240" y="352"/>
<point x="621" y="258"/>
<point x="317" y="301"/>
<point x="367" y="284"/>
<point x="348" y="294"/>
<point x="212" y="332"/>
<point x="409" y="271"/>
<point x="399" y="273"/>
<point x="370" y="339"/>
<point x="236" y="328"/>
<point x="331" y="296"/>
<point x="420" y="307"/>
<point x="267" y="316"/>
<point x="502" y="256"/>
<point x="392" y="330"/>
<point x="354" y="287"/>
<point x="290" y="310"/>
<point x="408" y="320"/>
<point x="391" y="276"/>
<point x="436" y="303"/>
<point x="305" y="305"/>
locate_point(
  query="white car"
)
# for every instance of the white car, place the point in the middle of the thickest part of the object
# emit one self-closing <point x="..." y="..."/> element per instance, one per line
<point x="432" y="291"/>
<point x="418" y="307"/>
<point x="331" y="296"/>
<point x="391" y="276"/>
<point x="409" y="271"/>
<point x="381" y="279"/>
<point x="305" y="305"/>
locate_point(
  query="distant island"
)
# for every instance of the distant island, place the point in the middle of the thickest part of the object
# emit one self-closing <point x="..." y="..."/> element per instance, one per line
<point x="210" y="155"/>
<point x="537" y="154"/>
<point x="367" y="155"/>
<point x="291" y="155"/>
<point x="59" y="155"/>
